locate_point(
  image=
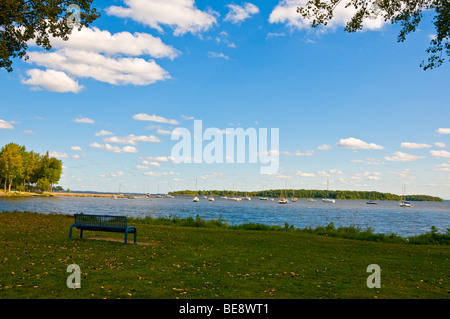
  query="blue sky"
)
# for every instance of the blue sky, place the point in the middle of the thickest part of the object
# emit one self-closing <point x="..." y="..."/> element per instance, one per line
<point x="354" y="109"/>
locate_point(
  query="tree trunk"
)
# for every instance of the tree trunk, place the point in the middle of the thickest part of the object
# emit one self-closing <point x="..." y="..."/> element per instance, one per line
<point x="10" y="182"/>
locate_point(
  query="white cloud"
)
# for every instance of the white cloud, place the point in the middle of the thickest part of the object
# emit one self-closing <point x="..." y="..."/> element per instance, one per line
<point x="324" y="147"/>
<point x="156" y="158"/>
<point x="238" y="13"/>
<point x="85" y="120"/>
<point x="163" y="132"/>
<point x="414" y="145"/>
<point x="181" y="15"/>
<point x="354" y="143"/>
<point x="97" y="54"/>
<point x="213" y="175"/>
<point x="303" y="174"/>
<point x="132" y="139"/>
<point x="440" y="154"/>
<point x="212" y="54"/>
<point x="102" y="41"/>
<point x="103" y="133"/>
<point x="63" y="155"/>
<point x="443" y="131"/>
<point x="405" y="174"/>
<point x="152" y="173"/>
<point x="154" y="118"/>
<point x="374" y="176"/>
<point x="323" y="174"/>
<point x="307" y="153"/>
<point x="440" y="144"/>
<point x="286" y="12"/>
<point x="402" y="157"/>
<point x="51" y="80"/>
<point x="115" y="149"/>
<point x="116" y="71"/>
<point x="444" y="165"/>
<point x="76" y="148"/>
<point x="30" y="132"/>
<point x="5" y="125"/>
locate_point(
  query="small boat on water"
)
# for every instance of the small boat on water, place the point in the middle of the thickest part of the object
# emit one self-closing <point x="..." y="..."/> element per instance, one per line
<point x="236" y="199"/>
<point x="211" y="199"/>
<point x="263" y="198"/>
<point x="311" y="200"/>
<point x="372" y="202"/>
<point x="246" y="198"/>
<point x="328" y="199"/>
<point x="294" y="199"/>
<point x="195" y="199"/>
<point x="405" y="204"/>
<point x="283" y="201"/>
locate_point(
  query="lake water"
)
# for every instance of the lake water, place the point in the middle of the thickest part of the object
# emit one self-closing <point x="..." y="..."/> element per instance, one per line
<point x="385" y="217"/>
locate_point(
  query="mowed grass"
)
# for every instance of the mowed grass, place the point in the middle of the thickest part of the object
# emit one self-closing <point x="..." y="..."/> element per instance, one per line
<point x="207" y="263"/>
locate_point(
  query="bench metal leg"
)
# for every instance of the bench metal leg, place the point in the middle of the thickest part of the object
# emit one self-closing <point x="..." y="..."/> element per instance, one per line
<point x="70" y="232"/>
<point x="81" y="234"/>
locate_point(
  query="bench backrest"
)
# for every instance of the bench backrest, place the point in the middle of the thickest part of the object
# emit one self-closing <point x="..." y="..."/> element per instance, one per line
<point x="101" y="220"/>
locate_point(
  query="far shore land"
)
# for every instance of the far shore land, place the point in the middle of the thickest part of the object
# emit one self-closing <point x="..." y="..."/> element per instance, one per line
<point x="390" y="197"/>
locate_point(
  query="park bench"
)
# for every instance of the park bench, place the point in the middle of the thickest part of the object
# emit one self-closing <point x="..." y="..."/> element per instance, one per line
<point x="106" y="223"/>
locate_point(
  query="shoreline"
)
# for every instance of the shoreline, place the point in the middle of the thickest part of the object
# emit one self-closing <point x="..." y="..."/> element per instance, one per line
<point x="56" y="194"/>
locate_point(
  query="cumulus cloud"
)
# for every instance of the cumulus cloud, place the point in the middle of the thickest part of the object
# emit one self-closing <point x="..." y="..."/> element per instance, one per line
<point x="414" y="145"/>
<point x="443" y="131"/>
<point x="180" y="15"/>
<point x="100" y="55"/>
<point x="303" y="174"/>
<point x="114" y="149"/>
<point x="402" y="157"/>
<point x="405" y="174"/>
<point x="238" y="13"/>
<point x="324" y="147"/>
<point x="63" y="155"/>
<point x="132" y="139"/>
<point x="354" y="143"/>
<point x="117" y="71"/>
<point x="85" y="120"/>
<point x="52" y="80"/>
<point x="103" y="133"/>
<point x="5" y="125"/>
<point x="439" y="154"/>
<point x="102" y="41"/>
<point x="154" y="118"/>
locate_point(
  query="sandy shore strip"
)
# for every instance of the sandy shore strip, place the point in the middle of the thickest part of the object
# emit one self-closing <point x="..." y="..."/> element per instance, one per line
<point x="57" y="194"/>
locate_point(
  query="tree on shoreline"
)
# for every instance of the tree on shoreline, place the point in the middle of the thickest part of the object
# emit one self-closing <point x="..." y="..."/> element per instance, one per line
<point x="24" y="170"/>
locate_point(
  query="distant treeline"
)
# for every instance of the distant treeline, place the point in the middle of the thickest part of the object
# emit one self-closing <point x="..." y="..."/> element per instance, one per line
<point x="317" y="194"/>
<point x="23" y="170"/>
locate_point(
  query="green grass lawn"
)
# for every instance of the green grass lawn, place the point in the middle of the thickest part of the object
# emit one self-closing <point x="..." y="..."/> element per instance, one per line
<point x="207" y="263"/>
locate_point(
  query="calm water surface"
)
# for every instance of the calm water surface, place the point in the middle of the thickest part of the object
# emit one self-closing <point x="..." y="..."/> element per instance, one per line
<point x="385" y="217"/>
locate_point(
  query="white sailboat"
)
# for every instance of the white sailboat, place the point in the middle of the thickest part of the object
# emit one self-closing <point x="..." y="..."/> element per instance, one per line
<point x="310" y="199"/>
<point x="195" y="198"/>
<point x="328" y="199"/>
<point x="404" y="203"/>
<point x="284" y="199"/>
